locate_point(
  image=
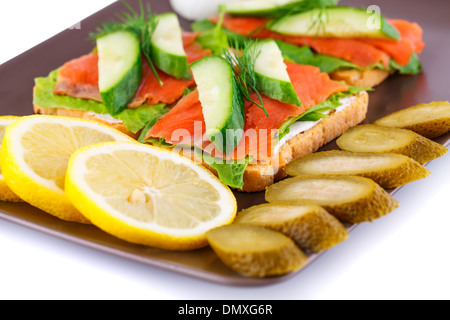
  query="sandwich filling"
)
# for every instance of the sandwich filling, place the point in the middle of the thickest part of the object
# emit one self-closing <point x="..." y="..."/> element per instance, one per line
<point x="75" y="86"/>
<point x="184" y="125"/>
<point x="362" y="53"/>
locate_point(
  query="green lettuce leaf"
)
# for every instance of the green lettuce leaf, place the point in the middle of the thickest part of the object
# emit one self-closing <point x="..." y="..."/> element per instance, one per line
<point x="318" y="111"/>
<point x="209" y="41"/>
<point x="134" y="119"/>
<point x="213" y="36"/>
<point x="45" y="98"/>
<point x="414" y="66"/>
<point x="304" y="55"/>
<point x="230" y="173"/>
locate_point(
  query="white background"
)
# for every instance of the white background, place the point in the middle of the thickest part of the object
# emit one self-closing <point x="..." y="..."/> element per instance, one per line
<point x="402" y="256"/>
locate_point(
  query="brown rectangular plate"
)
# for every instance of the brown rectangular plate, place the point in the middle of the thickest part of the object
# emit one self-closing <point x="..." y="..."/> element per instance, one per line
<point x="398" y="92"/>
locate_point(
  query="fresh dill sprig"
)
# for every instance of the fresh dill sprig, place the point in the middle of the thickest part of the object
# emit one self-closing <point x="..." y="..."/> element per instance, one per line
<point x="243" y="62"/>
<point x="146" y="40"/>
<point x="142" y="24"/>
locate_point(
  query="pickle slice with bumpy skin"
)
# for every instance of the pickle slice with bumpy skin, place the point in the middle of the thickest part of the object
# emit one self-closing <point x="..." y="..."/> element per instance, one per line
<point x="256" y="251"/>
<point x="374" y="138"/>
<point x="351" y="199"/>
<point x="430" y="120"/>
<point x="389" y="170"/>
<point x="311" y="227"/>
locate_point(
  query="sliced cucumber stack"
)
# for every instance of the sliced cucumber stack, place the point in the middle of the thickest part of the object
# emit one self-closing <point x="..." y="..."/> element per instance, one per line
<point x="272" y="78"/>
<point x="120" y="69"/>
<point x="256" y="7"/>
<point x="343" y="22"/>
<point x="222" y="102"/>
<point x="167" y="47"/>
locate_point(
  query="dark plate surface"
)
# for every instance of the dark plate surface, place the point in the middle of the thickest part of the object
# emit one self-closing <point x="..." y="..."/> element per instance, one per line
<point x="398" y="92"/>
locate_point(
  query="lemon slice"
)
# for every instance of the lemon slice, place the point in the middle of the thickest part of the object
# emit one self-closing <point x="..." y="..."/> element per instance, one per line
<point x="6" y="193"/>
<point x="148" y="196"/>
<point x="34" y="157"/>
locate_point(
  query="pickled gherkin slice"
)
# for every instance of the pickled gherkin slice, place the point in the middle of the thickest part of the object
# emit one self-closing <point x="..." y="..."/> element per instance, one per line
<point x="389" y="170"/>
<point x="374" y="138"/>
<point x="256" y="251"/>
<point x="430" y="120"/>
<point x="351" y="199"/>
<point x="311" y="227"/>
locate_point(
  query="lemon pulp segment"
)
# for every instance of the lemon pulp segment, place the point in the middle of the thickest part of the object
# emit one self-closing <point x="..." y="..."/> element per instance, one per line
<point x="48" y="154"/>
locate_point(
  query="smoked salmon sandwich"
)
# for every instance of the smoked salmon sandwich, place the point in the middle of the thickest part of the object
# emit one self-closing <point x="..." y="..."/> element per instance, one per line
<point x="243" y="110"/>
<point x="357" y="45"/>
<point x="252" y="113"/>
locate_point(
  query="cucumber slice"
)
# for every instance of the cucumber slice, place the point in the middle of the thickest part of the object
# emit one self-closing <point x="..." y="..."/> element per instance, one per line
<point x="167" y="47"/>
<point x="351" y="199"/>
<point x="223" y="105"/>
<point x="272" y="78"/>
<point x="255" y="251"/>
<point x="119" y="68"/>
<point x="430" y="120"/>
<point x="367" y="137"/>
<point x="256" y="7"/>
<point x="341" y="22"/>
<point x="389" y="170"/>
<point x="311" y="227"/>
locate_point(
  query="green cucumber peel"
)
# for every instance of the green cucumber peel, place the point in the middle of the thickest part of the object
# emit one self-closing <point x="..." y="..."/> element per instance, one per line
<point x="272" y="78"/>
<point x="166" y="46"/>
<point x="118" y="82"/>
<point x="222" y="102"/>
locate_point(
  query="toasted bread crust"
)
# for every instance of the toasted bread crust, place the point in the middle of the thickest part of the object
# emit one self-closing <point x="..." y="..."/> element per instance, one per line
<point x="258" y="176"/>
<point x="368" y="78"/>
<point x="306" y="143"/>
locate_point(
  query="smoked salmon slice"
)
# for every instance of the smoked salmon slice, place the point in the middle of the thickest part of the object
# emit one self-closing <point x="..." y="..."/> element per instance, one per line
<point x="410" y="42"/>
<point x="352" y="50"/>
<point x="182" y="120"/>
<point x="151" y="92"/>
<point x="78" y="78"/>
<point x="194" y="51"/>
<point x="361" y="52"/>
<point x="185" y="123"/>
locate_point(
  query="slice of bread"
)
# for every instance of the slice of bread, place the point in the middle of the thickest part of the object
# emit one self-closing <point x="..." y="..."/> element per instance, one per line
<point x="367" y="78"/>
<point x="258" y="176"/>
